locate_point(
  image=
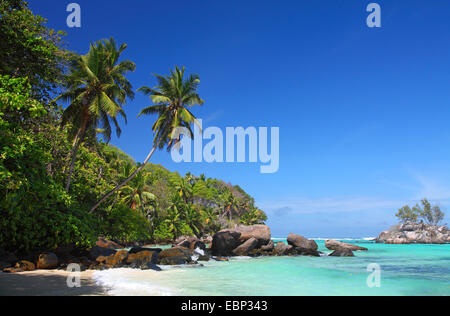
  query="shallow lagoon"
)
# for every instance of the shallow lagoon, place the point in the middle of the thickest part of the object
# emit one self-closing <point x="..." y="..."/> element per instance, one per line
<point x="405" y="270"/>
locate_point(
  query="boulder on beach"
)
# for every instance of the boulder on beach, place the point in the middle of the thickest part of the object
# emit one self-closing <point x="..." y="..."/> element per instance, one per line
<point x="198" y="245"/>
<point x="183" y="244"/>
<point x="136" y="260"/>
<point x="206" y="239"/>
<point x="189" y="242"/>
<point x="246" y="247"/>
<point x="25" y="266"/>
<point x="47" y="261"/>
<point x="150" y="266"/>
<point x="298" y="241"/>
<point x="140" y="249"/>
<point x="221" y="259"/>
<point x="342" y="252"/>
<point x="117" y="260"/>
<point x="175" y="256"/>
<point x="224" y="242"/>
<point x="306" y="252"/>
<point x="104" y="243"/>
<point x="97" y="251"/>
<point x="269" y="247"/>
<point x="7" y="259"/>
<point x="281" y="249"/>
<point x="259" y="232"/>
<point x="336" y="245"/>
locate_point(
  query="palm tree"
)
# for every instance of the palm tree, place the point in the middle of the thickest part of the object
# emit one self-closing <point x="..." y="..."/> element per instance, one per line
<point x="136" y="194"/>
<point x="172" y="98"/>
<point x="193" y="219"/>
<point x="182" y="186"/>
<point x="96" y="89"/>
<point x="230" y="204"/>
<point x="173" y="220"/>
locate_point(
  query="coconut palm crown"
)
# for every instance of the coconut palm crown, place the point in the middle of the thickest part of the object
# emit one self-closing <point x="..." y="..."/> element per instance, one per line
<point x="96" y="91"/>
<point x="172" y="99"/>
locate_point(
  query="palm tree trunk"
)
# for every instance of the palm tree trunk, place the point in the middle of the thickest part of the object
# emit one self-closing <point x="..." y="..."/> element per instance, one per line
<point x="106" y="196"/>
<point x="75" y="147"/>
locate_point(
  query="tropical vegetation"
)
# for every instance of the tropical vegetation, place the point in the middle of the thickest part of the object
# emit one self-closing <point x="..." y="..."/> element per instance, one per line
<point x="61" y="182"/>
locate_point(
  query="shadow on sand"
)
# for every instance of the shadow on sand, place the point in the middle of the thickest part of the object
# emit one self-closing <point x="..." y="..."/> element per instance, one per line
<point x="45" y="285"/>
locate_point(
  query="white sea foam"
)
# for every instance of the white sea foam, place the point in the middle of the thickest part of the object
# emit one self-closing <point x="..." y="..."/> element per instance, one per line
<point x="129" y="282"/>
<point x="240" y="258"/>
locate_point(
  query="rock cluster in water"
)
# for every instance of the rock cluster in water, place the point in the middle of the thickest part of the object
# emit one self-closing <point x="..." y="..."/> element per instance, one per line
<point x="253" y="241"/>
<point x="413" y="233"/>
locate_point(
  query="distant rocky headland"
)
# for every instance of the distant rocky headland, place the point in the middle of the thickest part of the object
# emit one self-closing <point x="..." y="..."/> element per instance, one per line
<point x="414" y="233"/>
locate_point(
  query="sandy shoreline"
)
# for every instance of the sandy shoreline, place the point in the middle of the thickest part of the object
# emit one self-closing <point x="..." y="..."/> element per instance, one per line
<point x="47" y="283"/>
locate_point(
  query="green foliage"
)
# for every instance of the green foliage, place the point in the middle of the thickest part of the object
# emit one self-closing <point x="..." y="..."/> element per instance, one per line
<point x="126" y="225"/>
<point x="253" y="217"/>
<point x="29" y="49"/>
<point x="406" y="214"/>
<point x="35" y="211"/>
<point x="432" y="215"/>
<point x="163" y="233"/>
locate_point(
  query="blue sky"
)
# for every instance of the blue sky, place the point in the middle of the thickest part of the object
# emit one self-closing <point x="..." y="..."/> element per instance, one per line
<point x="363" y="113"/>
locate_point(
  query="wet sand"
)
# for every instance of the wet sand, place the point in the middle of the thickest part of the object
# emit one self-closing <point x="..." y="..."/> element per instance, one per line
<point x="47" y="283"/>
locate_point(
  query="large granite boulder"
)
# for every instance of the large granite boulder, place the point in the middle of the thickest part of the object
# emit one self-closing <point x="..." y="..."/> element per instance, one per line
<point x="104" y="243"/>
<point x="259" y="232"/>
<point x="189" y="242"/>
<point x="47" y="261"/>
<point x="206" y="239"/>
<point x="342" y="252"/>
<point x="337" y="245"/>
<point x="175" y="256"/>
<point x="142" y="259"/>
<point x="246" y="247"/>
<point x="24" y="266"/>
<point x="140" y="249"/>
<point x="306" y="252"/>
<point x="7" y="259"/>
<point x="413" y="233"/>
<point x="21" y="266"/>
<point x="224" y="242"/>
<point x="281" y="249"/>
<point x="269" y="247"/>
<point x="298" y="241"/>
<point x="96" y="252"/>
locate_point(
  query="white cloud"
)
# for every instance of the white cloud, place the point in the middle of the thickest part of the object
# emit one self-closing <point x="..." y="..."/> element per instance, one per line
<point x="421" y="187"/>
<point x="330" y="204"/>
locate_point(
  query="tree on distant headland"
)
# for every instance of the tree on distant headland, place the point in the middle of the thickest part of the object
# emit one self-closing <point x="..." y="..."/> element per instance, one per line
<point x="406" y="214"/>
<point x="432" y="215"/>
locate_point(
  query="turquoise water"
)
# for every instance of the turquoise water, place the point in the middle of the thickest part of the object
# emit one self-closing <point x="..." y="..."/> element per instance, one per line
<point x="405" y="270"/>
